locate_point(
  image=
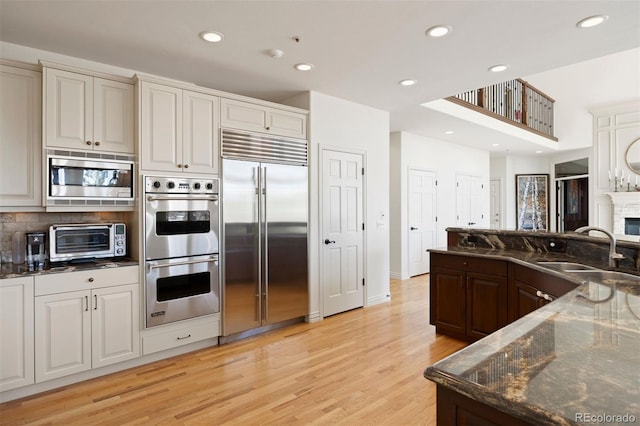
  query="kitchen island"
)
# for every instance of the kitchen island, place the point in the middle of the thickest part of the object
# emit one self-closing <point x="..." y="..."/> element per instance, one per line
<point x="575" y="360"/>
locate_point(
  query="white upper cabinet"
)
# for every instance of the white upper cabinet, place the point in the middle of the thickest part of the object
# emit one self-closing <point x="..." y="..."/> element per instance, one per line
<point x="257" y="118"/>
<point x="201" y="124"/>
<point x="20" y="139"/>
<point x="179" y="130"/>
<point x="83" y="112"/>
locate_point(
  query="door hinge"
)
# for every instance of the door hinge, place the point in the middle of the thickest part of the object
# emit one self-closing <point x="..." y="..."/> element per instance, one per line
<point x="363" y="171"/>
<point x="363" y="226"/>
<point x="457" y="184"/>
<point x="436" y="182"/>
<point x="436" y="218"/>
<point x="482" y="186"/>
<point x="363" y="282"/>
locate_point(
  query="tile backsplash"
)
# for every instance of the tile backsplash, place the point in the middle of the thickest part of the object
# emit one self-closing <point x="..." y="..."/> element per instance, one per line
<point x="10" y="223"/>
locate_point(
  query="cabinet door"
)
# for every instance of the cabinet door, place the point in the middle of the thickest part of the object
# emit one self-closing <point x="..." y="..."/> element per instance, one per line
<point x="486" y="304"/>
<point x="526" y="300"/>
<point x="287" y="123"/>
<point x="68" y="109"/>
<point x="243" y="116"/>
<point x="20" y="138"/>
<point x="62" y="334"/>
<point x="200" y="142"/>
<point x="115" y="324"/>
<point x="112" y="116"/>
<point x="160" y="128"/>
<point x="16" y="333"/>
<point x="448" y="300"/>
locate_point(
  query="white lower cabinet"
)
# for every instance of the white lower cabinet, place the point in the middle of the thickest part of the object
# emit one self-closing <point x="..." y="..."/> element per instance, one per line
<point x="83" y="329"/>
<point x="16" y="333"/>
<point x="170" y="336"/>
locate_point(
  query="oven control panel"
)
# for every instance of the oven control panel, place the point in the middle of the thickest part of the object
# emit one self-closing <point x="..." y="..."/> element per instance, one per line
<point x="180" y="185"/>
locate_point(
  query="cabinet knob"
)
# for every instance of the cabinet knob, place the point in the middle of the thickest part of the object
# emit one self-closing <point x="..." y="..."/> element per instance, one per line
<point x="88" y="142"/>
<point x="91" y="279"/>
<point x="539" y="293"/>
<point x="179" y="166"/>
<point x="268" y="128"/>
<point x="97" y="143"/>
<point x="186" y="166"/>
<point x="465" y="263"/>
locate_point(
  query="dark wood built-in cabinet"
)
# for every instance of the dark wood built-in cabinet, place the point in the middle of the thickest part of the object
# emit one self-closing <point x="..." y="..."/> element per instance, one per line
<point x="471" y="297"/>
<point x="468" y="295"/>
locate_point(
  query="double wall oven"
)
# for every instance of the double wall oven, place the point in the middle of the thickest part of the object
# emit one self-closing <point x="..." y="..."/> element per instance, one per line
<point x="182" y="222"/>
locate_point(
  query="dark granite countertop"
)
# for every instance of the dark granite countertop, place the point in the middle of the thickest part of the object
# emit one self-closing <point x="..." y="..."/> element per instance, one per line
<point x="11" y="270"/>
<point x="577" y="356"/>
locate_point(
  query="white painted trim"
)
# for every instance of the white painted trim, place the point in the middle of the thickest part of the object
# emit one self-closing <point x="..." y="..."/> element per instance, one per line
<point x="378" y="300"/>
<point x="313" y="317"/>
<point x="77" y="70"/>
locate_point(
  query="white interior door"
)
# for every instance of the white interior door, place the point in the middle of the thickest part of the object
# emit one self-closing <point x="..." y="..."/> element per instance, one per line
<point x="342" y="263"/>
<point x="421" y="220"/>
<point x="469" y="201"/>
<point x="495" y="204"/>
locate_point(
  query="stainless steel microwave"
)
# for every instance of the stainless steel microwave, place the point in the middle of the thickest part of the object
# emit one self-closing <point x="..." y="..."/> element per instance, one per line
<point x="70" y="242"/>
<point x="75" y="178"/>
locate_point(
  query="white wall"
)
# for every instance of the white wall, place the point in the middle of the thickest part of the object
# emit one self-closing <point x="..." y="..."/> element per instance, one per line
<point x="334" y="122"/>
<point x="581" y="87"/>
<point x="447" y="160"/>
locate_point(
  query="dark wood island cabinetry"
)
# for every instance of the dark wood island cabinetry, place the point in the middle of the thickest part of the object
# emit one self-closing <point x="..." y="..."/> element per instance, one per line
<point x="468" y="295"/>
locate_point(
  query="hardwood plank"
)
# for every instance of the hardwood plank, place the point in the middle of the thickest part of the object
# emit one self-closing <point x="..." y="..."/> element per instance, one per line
<point x="360" y="367"/>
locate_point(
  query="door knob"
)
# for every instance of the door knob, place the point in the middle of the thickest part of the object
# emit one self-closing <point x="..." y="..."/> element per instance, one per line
<point x="413" y="228"/>
<point x="328" y="241"/>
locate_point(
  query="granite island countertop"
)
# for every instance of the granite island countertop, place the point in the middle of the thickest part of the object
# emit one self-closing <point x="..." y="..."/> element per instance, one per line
<point x="577" y="356"/>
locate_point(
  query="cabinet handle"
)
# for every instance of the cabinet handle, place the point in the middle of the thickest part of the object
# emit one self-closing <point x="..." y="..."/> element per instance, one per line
<point x="186" y="166"/>
<point x="95" y="302"/>
<point x="91" y="279"/>
<point x="539" y="293"/>
<point x="97" y="143"/>
<point x="86" y="303"/>
<point x="88" y="142"/>
<point x="547" y="297"/>
<point x="185" y="337"/>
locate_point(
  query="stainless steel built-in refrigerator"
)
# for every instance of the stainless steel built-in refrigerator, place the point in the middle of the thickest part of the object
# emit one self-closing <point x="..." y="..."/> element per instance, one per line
<point x="265" y="213"/>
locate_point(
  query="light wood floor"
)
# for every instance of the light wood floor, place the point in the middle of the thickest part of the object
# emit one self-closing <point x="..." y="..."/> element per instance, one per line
<point x="360" y="367"/>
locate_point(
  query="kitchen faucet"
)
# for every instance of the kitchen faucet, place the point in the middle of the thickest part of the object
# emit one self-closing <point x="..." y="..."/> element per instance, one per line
<point x="613" y="256"/>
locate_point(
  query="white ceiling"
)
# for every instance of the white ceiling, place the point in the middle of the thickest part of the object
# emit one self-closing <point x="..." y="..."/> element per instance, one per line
<point x="360" y="49"/>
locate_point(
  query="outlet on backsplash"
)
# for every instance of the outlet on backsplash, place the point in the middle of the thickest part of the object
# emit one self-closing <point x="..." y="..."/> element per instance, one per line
<point x="557" y="246"/>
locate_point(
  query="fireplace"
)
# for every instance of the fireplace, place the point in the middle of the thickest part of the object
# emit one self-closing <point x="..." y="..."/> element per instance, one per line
<point x="632" y="225"/>
<point x="626" y="206"/>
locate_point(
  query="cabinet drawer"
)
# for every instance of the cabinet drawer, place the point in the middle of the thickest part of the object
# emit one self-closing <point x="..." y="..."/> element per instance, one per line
<point x="173" y="337"/>
<point x="466" y="263"/>
<point x="85" y="280"/>
<point x="546" y="283"/>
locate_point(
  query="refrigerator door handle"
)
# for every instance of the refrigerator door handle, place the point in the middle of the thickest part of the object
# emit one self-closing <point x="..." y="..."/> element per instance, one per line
<point x="265" y="281"/>
<point x="257" y="174"/>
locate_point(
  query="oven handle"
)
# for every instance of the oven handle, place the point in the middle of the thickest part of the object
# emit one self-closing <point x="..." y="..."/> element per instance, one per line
<point x="152" y="266"/>
<point x="181" y="198"/>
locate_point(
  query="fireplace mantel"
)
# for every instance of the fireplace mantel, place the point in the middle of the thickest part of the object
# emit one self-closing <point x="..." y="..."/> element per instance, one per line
<point x="632" y="197"/>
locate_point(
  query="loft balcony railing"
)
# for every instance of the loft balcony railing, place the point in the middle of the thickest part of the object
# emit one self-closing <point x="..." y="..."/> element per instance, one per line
<point x="514" y="101"/>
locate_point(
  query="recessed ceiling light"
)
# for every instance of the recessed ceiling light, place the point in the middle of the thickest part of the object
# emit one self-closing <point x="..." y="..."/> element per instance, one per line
<point x="407" y="82"/>
<point x="538" y="152"/>
<point x="211" y="36"/>
<point x="495" y="144"/>
<point x="592" y="21"/>
<point x="498" y="68"/>
<point x="439" y="31"/>
<point x="448" y="132"/>
<point x="303" y="67"/>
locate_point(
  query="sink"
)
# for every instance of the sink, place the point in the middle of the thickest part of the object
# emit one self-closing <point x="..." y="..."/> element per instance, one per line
<point x="567" y="266"/>
<point x="603" y="276"/>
